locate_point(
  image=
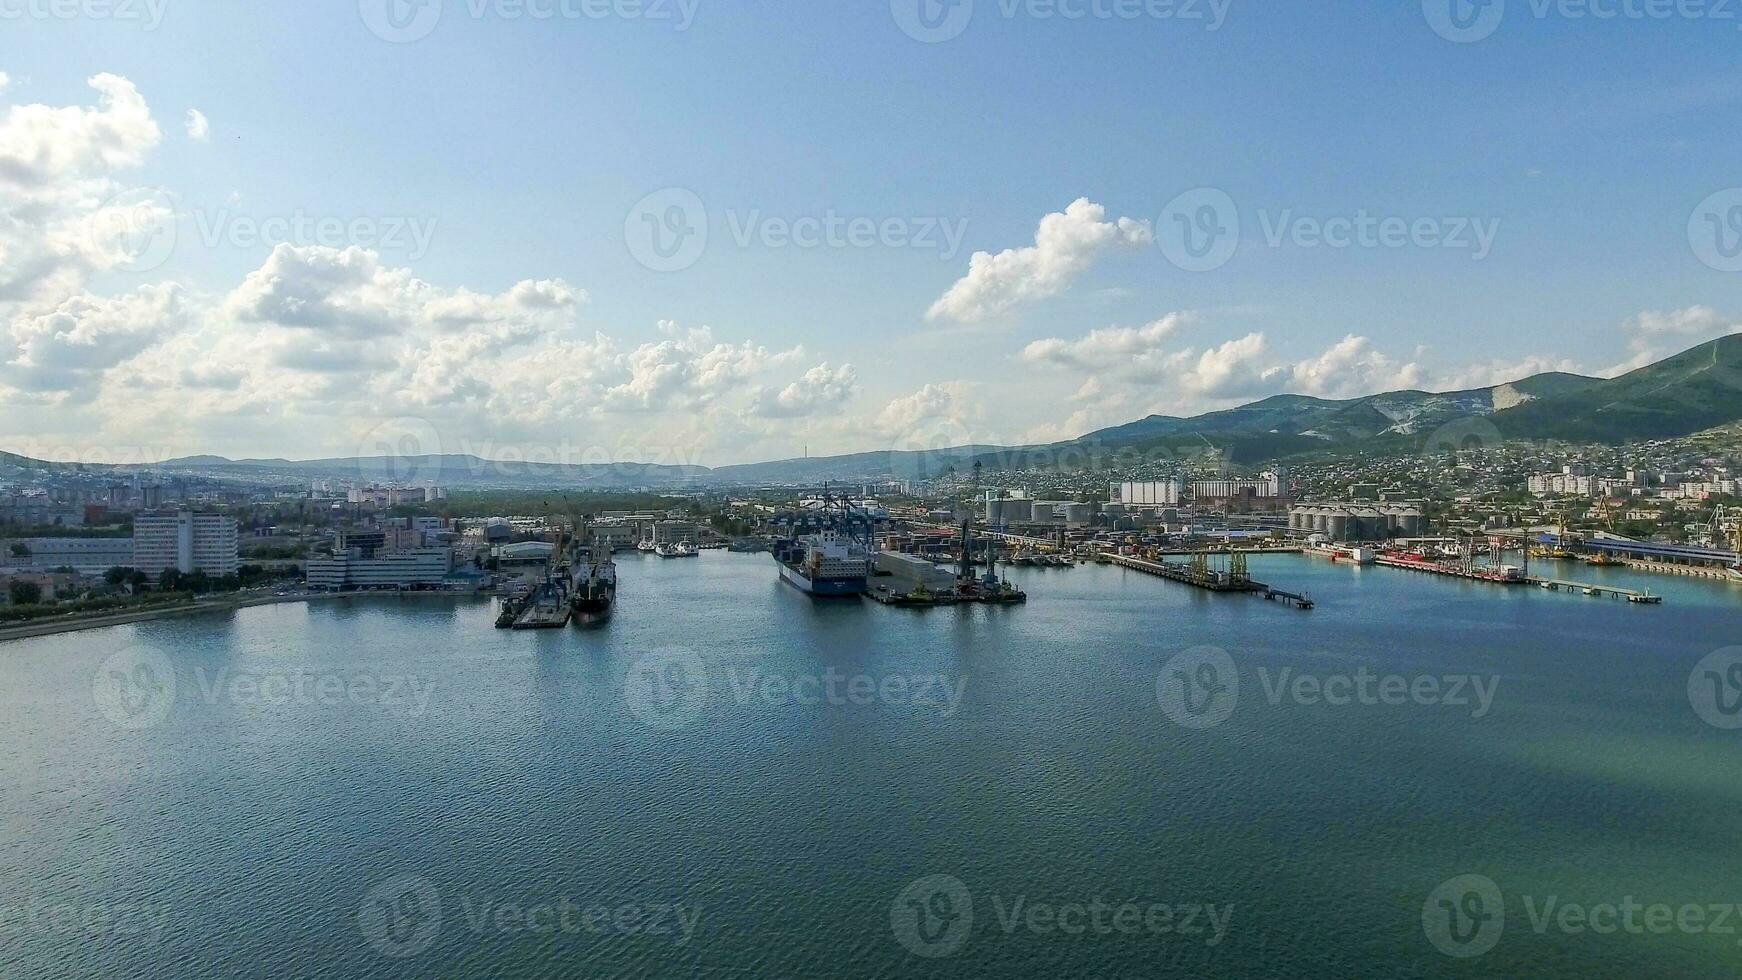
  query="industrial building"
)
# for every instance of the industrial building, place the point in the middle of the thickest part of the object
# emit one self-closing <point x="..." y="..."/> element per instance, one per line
<point x="421" y="568"/>
<point x="1358" y="521"/>
<point x="674" y="532"/>
<point x="87" y="556"/>
<point x="187" y="542"/>
<point x="1156" y="493"/>
<point x="912" y="571"/>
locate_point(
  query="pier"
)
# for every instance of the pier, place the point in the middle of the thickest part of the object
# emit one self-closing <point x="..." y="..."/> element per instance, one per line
<point x="1606" y="591"/>
<point x="1480" y="573"/>
<point x="1199" y="575"/>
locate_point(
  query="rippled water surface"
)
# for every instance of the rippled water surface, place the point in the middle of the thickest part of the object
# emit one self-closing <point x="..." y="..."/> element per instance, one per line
<point x="732" y="780"/>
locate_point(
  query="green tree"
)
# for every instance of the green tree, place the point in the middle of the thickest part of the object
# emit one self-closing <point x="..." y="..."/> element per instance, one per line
<point x="24" y="593"/>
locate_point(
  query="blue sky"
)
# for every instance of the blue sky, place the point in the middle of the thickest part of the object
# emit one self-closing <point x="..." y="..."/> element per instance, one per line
<point x="1585" y="145"/>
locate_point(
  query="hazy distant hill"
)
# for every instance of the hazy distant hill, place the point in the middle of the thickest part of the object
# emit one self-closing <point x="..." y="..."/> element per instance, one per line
<point x="1698" y="389"/>
<point x="450" y="471"/>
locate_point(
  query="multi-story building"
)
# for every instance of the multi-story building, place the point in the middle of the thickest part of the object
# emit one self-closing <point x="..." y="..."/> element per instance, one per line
<point x="616" y="535"/>
<point x="87" y="556"/>
<point x="419" y="568"/>
<point x="672" y="532"/>
<point x="185" y="541"/>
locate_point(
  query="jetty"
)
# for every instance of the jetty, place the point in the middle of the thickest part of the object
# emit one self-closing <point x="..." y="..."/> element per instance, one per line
<point x="1198" y="574"/>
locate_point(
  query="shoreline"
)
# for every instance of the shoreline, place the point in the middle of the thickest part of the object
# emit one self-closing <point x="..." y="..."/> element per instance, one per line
<point x="52" y="627"/>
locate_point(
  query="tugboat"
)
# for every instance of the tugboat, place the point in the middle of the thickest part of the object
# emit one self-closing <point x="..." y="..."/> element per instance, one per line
<point x="592" y="582"/>
<point x="512" y="607"/>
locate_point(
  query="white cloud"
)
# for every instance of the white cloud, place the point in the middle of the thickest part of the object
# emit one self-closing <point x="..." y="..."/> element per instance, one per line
<point x="1656" y="334"/>
<point x="5" y="81"/>
<point x="64" y="352"/>
<point x="1350" y="368"/>
<point x="1488" y="374"/>
<point x="1126" y="367"/>
<point x="822" y="388"/>
<point x="41" y="145"/>
<point x="199" y="128"/>
<point x="1065" y="246"/>
<point x="1109" y="347"/>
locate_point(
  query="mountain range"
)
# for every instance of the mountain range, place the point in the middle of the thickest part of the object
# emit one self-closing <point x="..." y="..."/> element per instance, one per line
<point x="1692" y="391"/>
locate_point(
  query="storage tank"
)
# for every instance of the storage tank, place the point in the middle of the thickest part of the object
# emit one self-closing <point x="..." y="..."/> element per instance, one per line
<point x="1042" y="513"/>
<point x="1078" y="515"/>
<point x="1412" y="523"/>
<point x="1337" y="525"/>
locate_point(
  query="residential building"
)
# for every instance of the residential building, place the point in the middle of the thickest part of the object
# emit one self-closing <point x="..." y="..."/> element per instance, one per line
<point x="185" y="541"/>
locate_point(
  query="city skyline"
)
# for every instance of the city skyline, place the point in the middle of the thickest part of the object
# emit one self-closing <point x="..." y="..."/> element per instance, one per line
<point x="519" y="260"/>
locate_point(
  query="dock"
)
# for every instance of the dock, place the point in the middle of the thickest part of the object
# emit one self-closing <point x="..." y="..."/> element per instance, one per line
<point x="1199" y="575"/>
<point x="1479" y="573"/>
<point x="1473" y="573"/>
<point x="1601" y="591"/>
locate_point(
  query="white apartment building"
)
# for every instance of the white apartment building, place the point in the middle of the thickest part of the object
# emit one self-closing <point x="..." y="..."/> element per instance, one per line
<point x="419" y="568"/>
<point x="185" y="541"/>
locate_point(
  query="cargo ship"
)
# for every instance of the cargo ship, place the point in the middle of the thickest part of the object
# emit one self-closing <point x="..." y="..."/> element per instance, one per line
<point x="592" y="583"/>
<point x="827" y="564"/>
